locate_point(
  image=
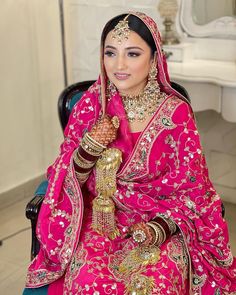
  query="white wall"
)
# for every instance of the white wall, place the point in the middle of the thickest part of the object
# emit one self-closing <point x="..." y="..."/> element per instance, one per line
<point x="31" y="80"/>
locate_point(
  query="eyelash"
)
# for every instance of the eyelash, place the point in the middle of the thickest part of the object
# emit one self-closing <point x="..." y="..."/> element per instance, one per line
<point x="133" y="54"/>
<point x="109" y="53"/>
<point x="130" y="54"/>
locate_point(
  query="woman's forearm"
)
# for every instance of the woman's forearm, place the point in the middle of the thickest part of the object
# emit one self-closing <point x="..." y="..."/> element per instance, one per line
<point x="85" y="157"/>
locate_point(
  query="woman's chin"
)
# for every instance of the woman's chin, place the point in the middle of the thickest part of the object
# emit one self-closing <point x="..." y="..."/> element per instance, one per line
<point x="124" y="88"/>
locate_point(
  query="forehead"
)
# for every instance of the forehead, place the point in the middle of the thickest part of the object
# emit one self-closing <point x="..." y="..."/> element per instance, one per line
<point x="134" y="40"/>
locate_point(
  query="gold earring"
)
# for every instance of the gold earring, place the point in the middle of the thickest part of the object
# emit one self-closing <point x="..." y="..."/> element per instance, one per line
<point x="153" y="72"/>
<point x="152" y="86"/>
<point x="111" y="89"/>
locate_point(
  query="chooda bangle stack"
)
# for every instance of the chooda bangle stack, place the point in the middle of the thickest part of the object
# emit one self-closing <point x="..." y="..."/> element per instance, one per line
<point x="86" y="156"/>
<point x="163" y="229"/>
<point x="160" y="235"/>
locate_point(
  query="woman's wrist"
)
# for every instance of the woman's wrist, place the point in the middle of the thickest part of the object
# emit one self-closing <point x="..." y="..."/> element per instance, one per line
<point x="81" y="162"/>
<point x="163" y="228"/>
<point x="157" y="234"/>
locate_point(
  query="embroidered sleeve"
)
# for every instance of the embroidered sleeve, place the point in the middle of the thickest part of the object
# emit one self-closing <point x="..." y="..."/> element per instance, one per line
<point x="82" y="117"/>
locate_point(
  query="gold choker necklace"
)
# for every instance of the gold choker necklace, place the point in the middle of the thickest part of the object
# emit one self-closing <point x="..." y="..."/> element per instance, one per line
<point x="138" y="107"/>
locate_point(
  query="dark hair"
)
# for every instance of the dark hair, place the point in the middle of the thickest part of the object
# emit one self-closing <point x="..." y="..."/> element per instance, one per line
<point x="135" y="24"/>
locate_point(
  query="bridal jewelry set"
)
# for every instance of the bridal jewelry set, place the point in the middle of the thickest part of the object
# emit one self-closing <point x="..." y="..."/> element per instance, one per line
<point x="139" y="107"/>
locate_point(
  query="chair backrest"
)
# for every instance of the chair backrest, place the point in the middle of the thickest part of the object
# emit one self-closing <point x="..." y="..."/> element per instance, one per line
<point x="68" y="99"/>
<point x="74" y="92"/>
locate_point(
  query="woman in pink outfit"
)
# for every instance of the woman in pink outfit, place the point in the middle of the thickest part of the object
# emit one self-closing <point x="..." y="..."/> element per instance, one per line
<point x="162" y="231"/>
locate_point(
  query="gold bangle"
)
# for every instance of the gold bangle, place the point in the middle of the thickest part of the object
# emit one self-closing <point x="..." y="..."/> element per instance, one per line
<point x="96" y="143"/>
<point x="82" y="176"/>
<point x="78" y="155"/>
<point x="89" y="150"/>
<point x="162" y="229"/>
<point x="91" y="147"/>
<point x="161" y="236"/>
<point x="155" y="231"/>
<point x="93" y="143"/>
<point x="159" y="233"/>
<point x="171" y="224"/>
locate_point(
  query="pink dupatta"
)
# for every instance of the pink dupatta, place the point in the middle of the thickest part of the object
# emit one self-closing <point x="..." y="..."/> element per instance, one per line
<point x="165" y="173"/>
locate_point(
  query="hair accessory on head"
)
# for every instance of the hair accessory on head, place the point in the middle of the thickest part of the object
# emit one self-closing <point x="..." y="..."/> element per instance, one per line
<point x="121" y="31"/>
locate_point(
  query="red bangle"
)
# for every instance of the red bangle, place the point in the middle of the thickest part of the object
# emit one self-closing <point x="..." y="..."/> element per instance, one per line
<point x="164" y="225"/>
<point x="80" y="169"/>
<point x="86" y="155"/>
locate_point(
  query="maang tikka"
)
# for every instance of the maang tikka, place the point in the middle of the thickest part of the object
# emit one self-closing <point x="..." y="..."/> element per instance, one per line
<point x="121" y="31"/>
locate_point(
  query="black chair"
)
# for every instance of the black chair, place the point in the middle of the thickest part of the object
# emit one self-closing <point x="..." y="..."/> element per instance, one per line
<point x="66" y="101"/>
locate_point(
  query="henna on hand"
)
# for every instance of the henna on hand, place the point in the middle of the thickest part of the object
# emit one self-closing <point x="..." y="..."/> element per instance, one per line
<point x="105" y="130"/>
<point x="144" y="229"/>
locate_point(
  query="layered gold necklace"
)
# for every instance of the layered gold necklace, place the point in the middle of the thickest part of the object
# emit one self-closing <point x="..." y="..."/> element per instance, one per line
<point x="139" y="107"/>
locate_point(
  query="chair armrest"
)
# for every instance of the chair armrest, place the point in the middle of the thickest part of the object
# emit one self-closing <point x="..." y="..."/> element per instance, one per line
<point x="223" y="209"/>
<point x="33" y="207"/>
<point x="32" y="211"/>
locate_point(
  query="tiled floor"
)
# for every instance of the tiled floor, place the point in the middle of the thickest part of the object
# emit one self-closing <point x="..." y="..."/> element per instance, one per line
<point x="15" y="252"/>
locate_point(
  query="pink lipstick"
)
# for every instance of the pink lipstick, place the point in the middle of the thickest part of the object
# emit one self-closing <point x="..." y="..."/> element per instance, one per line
<point x="121" y="76"/>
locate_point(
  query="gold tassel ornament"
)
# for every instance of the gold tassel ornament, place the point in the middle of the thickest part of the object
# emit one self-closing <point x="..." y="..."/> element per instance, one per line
<point x="103" y="206"/>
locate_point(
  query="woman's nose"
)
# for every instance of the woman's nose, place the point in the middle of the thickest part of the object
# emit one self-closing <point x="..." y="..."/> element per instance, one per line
<point x="121" y="64"/>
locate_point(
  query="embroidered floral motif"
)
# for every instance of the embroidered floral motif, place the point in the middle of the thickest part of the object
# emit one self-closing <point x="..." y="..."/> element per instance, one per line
<point x="77" y="261"/>
<point x="217" y="292"/>
<point x="140" y="285"/>
<point x="198" y="281"/>
<point x="178" y="254"/>
<point x="226" y="262"/>
<point x="95" y="88"/>
<point x="137" y="258"/>
<point x="167" y="123"/>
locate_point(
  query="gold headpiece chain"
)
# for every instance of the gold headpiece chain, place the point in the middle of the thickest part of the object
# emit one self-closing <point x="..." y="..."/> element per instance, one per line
<point x="121" y="31"/>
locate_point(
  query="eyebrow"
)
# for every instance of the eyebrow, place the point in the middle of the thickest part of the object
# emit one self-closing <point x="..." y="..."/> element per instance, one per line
<point x="127" y="48"/>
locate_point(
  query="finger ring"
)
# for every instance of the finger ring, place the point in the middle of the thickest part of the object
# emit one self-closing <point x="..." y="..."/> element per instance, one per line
<point x="116" y="122"/>
<point x="139" y="236"/>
